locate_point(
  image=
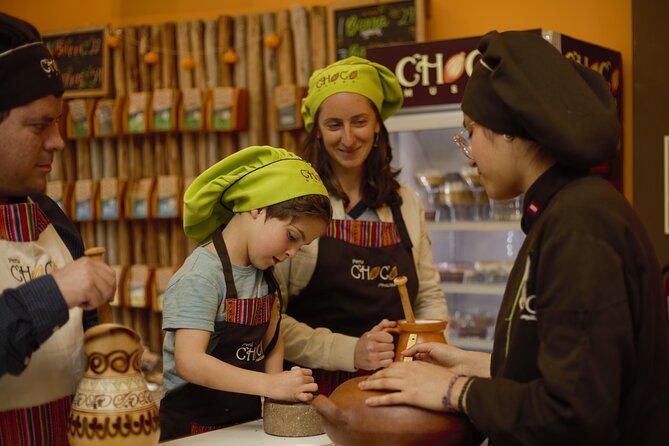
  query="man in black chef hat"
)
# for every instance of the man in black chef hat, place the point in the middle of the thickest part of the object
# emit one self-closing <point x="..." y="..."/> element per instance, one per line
<point x="46" y="294"/>
<point x="581" y="351"/>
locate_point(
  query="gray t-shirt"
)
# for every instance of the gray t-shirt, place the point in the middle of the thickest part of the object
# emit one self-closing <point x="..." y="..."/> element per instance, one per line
<point x="194" y="298"/>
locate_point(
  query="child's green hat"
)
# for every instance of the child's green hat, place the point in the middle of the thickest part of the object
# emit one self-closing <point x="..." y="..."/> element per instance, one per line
<point x="252" y="178"/>
<point x="353" y="75"/>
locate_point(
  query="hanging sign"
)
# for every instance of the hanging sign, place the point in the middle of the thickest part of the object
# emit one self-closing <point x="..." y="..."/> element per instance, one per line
<point x="82" y="57"/>
<point x="357" y="25"/>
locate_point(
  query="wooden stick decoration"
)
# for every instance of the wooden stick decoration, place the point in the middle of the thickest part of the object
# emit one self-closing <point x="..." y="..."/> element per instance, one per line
<point x="131" y="70"/>
<point x="212" y="151"/>
<point x="240" y="76"/>
<point x="286" y="63"/>
<point x="271" y="75"/>
<point x="144" y="37"/>
<point x="196" y="30"/>
<point x="255" y="83"/>
<point x="189" y="157"/>
<point x="225" y="30"/>
<point x="319" y="55"/>
<point x="169" y="80"/>
<point x="119" y="72"/>
<point x="401" y="281"/>
<point x="200" y="83"/>
<point x="300" y="25"/>
<point x="104" y="310"/>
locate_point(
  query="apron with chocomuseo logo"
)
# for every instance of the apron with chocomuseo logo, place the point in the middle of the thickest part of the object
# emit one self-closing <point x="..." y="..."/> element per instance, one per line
<point x="352" y="287"/>
<point x="193" y="408"/>
<point x="34" y="404"/>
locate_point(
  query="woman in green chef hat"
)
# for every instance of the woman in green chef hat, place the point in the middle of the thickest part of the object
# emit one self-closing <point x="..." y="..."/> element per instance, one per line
<point x="222" y="350"/>
<point x="340" y="290"/>
<point x="581" y="347"/>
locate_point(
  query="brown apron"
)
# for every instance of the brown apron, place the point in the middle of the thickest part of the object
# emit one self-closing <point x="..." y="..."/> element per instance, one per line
<point x="352" y="287"/>
<point x="193" y="408"/>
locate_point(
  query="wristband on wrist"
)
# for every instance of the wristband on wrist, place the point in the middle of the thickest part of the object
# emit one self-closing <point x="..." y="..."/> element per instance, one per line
<point x="446" y="401"/>
<point x="463" y="393"/>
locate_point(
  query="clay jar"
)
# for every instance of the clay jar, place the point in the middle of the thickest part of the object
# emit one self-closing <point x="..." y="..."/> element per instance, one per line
<point x="348" y="421"/>
<point x="418" y="332"/>
<point x="112" y="405"/>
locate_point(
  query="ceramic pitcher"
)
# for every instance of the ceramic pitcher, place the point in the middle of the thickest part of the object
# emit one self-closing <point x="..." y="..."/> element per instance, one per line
<point x="417" y="332"/>
<point x="113" y="405"/>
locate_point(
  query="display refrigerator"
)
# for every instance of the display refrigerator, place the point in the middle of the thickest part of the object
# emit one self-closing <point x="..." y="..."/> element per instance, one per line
<point x="474" y="239"/>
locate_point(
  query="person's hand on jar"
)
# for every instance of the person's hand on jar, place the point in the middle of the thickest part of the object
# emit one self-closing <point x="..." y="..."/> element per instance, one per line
<point x="461" y="362"/>
<point x="415" y="383"/>
<point x="375" y="348"/>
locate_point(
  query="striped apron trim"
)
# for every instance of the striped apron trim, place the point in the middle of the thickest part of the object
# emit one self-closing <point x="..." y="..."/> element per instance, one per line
<point x="250" y="312"/>
<point x="201" y="428"/>
<point x="43" y="425"/>
<point x="368" y="234"/>
<point x="22" y="222"/>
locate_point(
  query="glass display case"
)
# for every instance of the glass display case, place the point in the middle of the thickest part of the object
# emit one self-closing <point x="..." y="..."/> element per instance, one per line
<point x="474" y="239"/>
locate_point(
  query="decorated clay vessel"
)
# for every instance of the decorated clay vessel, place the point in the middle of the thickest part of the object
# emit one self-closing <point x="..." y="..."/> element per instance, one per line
<point x="412" y="333"/>
<point x="348" y="421"/>
<point x="113" y="405"/>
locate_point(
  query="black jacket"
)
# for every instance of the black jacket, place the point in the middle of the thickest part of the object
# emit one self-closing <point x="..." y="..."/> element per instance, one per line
<point x="581" y="351"/>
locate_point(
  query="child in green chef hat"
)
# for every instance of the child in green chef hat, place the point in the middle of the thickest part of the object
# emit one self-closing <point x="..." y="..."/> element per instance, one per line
<point x="222" y="350"/>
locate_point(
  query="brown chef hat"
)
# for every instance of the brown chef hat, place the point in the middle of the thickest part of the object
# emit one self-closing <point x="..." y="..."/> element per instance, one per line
<point x="522" y="86"/>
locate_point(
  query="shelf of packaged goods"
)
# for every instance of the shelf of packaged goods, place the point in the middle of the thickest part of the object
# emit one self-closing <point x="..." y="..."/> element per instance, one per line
<point x="483" y="225"/>
<point x="496" y="289"/>
<point x="478" y="344"/>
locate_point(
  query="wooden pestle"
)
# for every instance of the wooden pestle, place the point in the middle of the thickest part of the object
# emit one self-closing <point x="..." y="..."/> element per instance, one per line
<point x="401" y="281"/>
<point x="104" y="311"/>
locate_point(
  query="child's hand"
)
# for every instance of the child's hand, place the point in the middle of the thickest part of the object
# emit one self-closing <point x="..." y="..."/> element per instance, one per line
<point x="296" y="384"/>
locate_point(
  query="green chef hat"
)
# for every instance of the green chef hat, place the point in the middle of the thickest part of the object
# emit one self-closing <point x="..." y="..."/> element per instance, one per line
<point x="522" y="86"/>
<point x="252" y="178"/>
<point x="353" y="75"/>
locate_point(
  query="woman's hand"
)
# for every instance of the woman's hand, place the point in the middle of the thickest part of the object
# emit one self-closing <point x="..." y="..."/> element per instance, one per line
<point x="415" y="383"/>
<point x="461" y="362"/>
<point x="296" y="384"/>
<point x="375" y="348"/>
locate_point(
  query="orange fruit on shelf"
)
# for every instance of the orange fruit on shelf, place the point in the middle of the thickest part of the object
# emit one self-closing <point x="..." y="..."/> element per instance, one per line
<point x="272" y="41"/>
<point x="230" y="57"/>
<point x="113" y="41"/>
<point x="188" y="62"/>
<point x="151" y="58"/>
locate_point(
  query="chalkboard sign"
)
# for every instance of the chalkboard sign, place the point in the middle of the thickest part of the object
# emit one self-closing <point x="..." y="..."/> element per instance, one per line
<point x="356" y="25"/>
<point x="83" y="59"/>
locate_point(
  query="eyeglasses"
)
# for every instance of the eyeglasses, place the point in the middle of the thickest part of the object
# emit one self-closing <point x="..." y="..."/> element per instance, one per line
<point x="463" y="140"/>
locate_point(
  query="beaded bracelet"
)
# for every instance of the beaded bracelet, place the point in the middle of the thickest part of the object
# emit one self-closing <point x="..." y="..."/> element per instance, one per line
<point x="446" y="401"/>
<point x="465" y="388"/>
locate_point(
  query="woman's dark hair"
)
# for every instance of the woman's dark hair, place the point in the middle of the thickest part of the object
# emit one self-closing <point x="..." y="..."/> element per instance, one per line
<point x="307" y="205"/>
<point x="379" y="183"/>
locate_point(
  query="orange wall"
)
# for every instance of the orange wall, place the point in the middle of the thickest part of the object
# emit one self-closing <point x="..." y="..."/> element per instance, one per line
<point x="604" y="22"/>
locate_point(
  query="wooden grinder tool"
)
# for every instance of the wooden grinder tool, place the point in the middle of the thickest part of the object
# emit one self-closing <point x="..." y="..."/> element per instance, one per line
<point x="104" y="310"/>
<point x="401" y="281"/>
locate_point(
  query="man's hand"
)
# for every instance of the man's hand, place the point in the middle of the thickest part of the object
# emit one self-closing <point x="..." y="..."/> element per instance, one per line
<point x="86" y="283"/>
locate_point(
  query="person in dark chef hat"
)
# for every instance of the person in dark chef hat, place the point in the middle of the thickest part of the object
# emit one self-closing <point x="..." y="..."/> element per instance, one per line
<point x="581" y="350"/>
<point x="250" y="211"/>
<point x="47" y="289"/>
<point x="340" y="290"/>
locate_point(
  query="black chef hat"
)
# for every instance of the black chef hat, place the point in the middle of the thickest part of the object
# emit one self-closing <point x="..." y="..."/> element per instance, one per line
<point x="27" y="69"/>
<point x="522" y="86"/>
